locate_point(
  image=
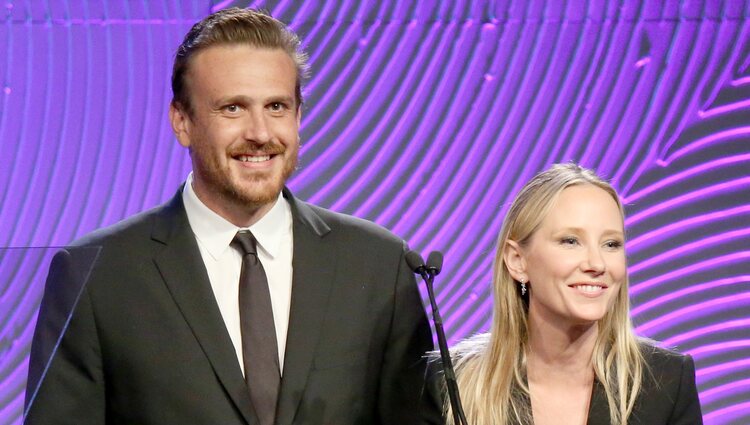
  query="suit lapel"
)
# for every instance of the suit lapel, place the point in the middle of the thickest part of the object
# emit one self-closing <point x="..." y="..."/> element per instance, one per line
<point x="313" y="272"/>
<point x="182" y="269"/>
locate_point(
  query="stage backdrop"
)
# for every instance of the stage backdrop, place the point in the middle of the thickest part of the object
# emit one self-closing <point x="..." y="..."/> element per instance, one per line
<point x="426" y="117"/>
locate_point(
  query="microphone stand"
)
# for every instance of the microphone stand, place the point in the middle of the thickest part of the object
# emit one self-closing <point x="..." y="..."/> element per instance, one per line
<point x="428" y="275"/>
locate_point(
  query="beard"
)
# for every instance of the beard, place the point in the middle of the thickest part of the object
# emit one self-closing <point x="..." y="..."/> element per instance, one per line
<point x="244" y="191"/>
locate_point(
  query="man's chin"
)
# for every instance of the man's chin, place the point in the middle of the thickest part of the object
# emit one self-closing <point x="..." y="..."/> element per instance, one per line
<point x="257" y="194"/>
<point x="256" y="190"/>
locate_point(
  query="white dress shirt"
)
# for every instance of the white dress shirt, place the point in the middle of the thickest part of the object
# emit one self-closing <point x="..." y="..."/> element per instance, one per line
<point x="223" y="263"/>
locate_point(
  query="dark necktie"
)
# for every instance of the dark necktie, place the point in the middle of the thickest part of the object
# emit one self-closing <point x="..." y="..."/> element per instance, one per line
<point x="259" y="349"/>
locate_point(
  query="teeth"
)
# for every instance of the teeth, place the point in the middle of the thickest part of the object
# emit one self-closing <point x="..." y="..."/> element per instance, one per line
<point x="248" y="158"/>
<point x="588" y="288"/>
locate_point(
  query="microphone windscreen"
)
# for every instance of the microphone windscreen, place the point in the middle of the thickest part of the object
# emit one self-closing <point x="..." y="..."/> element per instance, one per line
<point x="415" y="261"/>
<point x="435" y="261"/>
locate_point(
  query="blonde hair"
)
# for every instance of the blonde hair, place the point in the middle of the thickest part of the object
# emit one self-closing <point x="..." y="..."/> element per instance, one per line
<point x="491" y="368"/>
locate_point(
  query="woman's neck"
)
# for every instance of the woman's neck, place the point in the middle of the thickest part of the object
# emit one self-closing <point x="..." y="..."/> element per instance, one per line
<point x="559" y="369"/>
<point x="558" y="350"/>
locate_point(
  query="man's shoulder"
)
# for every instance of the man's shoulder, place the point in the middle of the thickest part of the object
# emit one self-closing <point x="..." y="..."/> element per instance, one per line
<point x="351" y="225"/>
<point x="139" y="225"/>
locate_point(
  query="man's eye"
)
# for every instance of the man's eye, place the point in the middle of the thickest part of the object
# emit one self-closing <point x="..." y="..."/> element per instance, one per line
<point x="232" y="109"/>
<point x="277" y="106"/>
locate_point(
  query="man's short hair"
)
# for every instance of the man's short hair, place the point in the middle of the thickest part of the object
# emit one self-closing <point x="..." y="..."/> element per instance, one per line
<point x="235" y="26"/>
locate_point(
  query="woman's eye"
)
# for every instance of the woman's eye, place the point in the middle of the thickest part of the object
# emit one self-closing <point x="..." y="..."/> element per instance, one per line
<point x="568" y="241"/>
<point x="613" y="244"/>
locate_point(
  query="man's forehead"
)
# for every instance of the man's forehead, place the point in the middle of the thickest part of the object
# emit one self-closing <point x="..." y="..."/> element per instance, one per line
<point x="238" y="51"/>
<point x="225" y="65"/>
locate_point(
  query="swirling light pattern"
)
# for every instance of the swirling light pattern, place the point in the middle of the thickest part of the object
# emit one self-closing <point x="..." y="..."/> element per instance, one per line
<point x="425" y="117"/>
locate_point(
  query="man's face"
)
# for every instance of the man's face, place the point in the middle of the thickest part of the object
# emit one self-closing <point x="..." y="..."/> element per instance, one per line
<point x="243" y="132"/>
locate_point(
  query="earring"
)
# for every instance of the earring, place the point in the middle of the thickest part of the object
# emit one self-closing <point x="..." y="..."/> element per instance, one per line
<point x="523" y="287"/>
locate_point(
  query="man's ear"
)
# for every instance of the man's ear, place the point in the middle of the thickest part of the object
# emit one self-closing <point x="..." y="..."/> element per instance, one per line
<point x="180" y="121"/>
<point x="515" y="261"/>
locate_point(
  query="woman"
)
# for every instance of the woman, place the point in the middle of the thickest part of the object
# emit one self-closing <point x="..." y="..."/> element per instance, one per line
<point x="561" y="349"/>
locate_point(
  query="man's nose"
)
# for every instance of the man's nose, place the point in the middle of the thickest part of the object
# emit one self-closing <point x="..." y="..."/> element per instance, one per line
<point x="256" y="128"/>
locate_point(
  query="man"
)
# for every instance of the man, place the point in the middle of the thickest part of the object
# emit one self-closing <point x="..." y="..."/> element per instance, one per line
<point x="333" y="331"/>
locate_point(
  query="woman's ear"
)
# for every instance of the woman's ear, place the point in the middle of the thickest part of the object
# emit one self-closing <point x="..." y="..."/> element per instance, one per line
<point x="515" y="261"/>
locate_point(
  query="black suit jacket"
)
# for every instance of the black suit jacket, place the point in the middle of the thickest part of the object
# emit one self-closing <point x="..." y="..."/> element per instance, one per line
<point x="668" y="394"/>
<point x="147" y="344"/>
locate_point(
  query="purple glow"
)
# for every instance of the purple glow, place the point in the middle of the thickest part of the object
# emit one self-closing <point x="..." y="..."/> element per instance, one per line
<point x="706" y="192"/>
<point x="656" y="302"/>
<point x="221" y="5"/>
<point x="655" y="236"/>
<point x="114" y="21"/>
<point x="721" y="369"/>
<point x="427" y="119"/>
<point x="720" y="347"/>
<point x="693" y="311"/>
<point x="740" y="409"/>
<point x="690" y="248"/>
<point x="683" y="175"/>
<point x="642" y="62"/>
<point x="719" y="392"/>
<point x="684" y="271"/>
<point x="702" y="143"/>
<point x="723" y="109"/>
<point x="677" y="339"/>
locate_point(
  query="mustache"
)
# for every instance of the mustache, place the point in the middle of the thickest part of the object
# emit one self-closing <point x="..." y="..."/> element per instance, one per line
<point x="250" y="148"/>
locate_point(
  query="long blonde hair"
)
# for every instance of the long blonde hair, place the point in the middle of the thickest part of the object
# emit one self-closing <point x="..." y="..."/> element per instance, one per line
<point x="491" y="368"/>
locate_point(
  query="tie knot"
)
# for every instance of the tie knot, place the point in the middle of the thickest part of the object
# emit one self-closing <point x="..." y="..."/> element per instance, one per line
<point x="246" y="242"/>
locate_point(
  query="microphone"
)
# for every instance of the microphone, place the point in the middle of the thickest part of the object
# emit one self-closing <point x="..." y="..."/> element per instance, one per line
<point x="416" y="263"/>
<point x="435" y="262"/>
<point x="428" y="272"/>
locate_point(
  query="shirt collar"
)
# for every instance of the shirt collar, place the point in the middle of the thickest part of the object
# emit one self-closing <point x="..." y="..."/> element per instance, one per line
<point x="215" y="233"/>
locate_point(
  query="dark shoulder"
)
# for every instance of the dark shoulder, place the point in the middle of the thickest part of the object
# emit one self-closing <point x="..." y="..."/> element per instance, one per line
<point x="663" y="368"/>
<point x="463" y="355"/>
<point x="138" y="226"/>
<point x="662" y="359"/>
<point x="354" y="226"/>
<point x="668" y="393"/>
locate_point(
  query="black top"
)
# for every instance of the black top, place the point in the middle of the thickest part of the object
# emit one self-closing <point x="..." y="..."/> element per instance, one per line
<point x="668" y="395"/>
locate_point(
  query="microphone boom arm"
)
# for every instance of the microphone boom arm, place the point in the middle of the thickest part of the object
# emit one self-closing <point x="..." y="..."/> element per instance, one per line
<point x="428" y="274"/>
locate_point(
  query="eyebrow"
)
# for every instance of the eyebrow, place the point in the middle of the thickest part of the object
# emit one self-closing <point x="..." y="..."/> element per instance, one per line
<point x="247" y="100"/>
<point x="582" y="230"/>
<point x="281" y="99"/>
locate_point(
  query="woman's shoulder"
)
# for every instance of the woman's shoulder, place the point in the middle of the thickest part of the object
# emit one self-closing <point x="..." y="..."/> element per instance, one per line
<point x="659" y="357"/>
<point x="668" y="392"/>
<point x="463" y="355"/>
<point x="666" y="370"/>
<point x="470" y="348"/>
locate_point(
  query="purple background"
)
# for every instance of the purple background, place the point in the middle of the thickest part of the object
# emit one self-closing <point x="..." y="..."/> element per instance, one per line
<point x="426" y="117"/>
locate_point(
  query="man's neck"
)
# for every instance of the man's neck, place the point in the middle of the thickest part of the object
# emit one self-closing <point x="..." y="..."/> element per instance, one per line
<point x="240" y="214"/>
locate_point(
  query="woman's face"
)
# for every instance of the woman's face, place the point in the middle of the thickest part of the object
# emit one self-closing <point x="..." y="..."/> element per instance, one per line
<point x="575" y="261"/>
